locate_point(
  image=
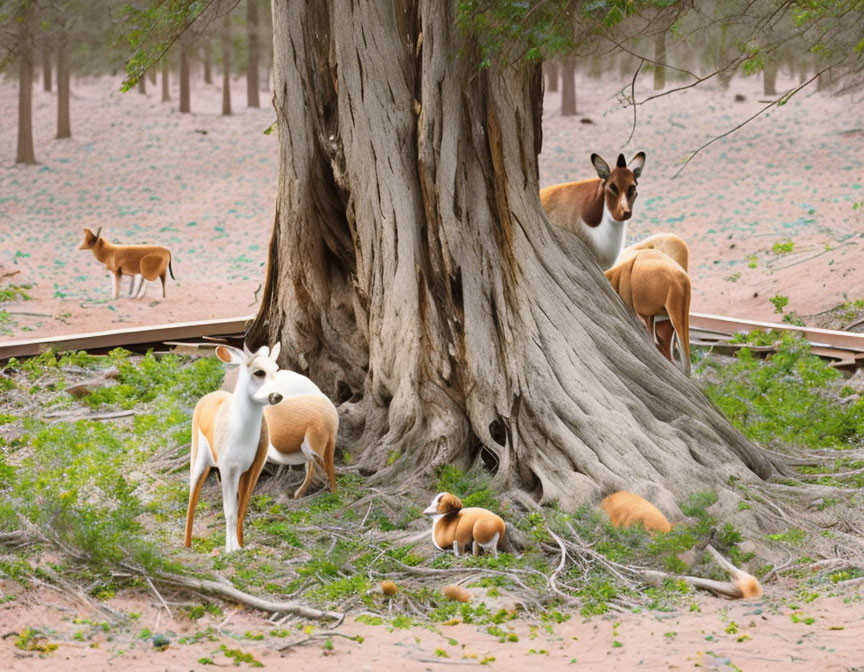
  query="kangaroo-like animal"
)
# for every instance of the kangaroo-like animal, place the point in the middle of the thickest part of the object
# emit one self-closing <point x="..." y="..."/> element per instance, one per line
<point x="302" y="429"/>
<point x="626" y="509"/>
<point x="650" y="282"/>
<point x="675" y="248"/>
<point x="139" y="262"/>
<point x="597" y="209"/>
<point x="455" y="527"/>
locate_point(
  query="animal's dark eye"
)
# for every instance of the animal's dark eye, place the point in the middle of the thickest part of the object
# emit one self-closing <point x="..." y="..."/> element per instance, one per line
<point x="259" y="373"/>
<point x="631" y="192"/>
<point x="613" y="189"/>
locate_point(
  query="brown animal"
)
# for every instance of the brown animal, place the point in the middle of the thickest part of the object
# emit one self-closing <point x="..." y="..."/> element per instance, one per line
<point x="456" y="593"/>
<point x="139" y="262"/>
<point x="455" y="527"/>
<point x="677" y="249"/>
<point x="626" y="509"/>
<point x="597" y="209"/>
<point x="651" y="283"/>
<point x="302" y="430"/>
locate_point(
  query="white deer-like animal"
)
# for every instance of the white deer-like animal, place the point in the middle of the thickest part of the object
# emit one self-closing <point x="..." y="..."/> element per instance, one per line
<point x="229" y="433"/>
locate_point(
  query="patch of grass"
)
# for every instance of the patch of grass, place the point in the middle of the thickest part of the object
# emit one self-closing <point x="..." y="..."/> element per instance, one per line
<point x="472" y="487"/>
<point x="783" y="247"/>
<point x="779" y="301"/>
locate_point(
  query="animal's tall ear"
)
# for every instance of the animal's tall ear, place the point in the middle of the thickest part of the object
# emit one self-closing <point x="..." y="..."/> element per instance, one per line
<point x="451" y="502"/>
<point x="622" y="162"/>
<point x="246" y="350"/>
<point x="98" y="232"/>
<point x="230" y="355"/>
<point x="600" y="166"/>
<point x="87" y="232"/>
<point x="274" y="353"/>
<point x="636" y="164"/>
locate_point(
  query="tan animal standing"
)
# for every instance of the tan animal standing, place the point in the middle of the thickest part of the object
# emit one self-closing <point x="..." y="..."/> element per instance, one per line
<point x="626" y="509"/>
<point x="597" y="209"/>
<point x="303" y="429"/>
<point x="455" y="527"/>
<point x="229" y="433"/>
<point x="652" y="284"/>
<point x="139" y="262"/>
<point x="677" y="249"/>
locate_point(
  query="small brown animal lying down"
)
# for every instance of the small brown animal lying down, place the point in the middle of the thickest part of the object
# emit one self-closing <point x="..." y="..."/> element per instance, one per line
<point x="626" y="509"/>
<point x="455" y="527"/>
<point x="139" y="262"/>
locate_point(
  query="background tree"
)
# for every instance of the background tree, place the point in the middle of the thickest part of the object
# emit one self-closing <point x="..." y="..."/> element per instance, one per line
<point x="226" y="64"/>
<point x="252" y="98"/>
<point x="46" y="65"/>
<point x="185" y="103"/>
<point x="568" y="85"/>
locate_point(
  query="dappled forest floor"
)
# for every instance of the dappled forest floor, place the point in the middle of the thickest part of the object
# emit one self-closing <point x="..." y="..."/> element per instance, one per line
<point x="768" y="212"/>
<point x="93" y="491"/>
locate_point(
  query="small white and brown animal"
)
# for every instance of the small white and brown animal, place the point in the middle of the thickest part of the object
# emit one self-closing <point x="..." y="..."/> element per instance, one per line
<point x="597" y="209"/>
<point x="302" y="430"/>
<point x="652" y="284"/>
<point x="455" y="527"/>
<point x="139" y="262"/>
<point x="229" y="433"/>
<point x="675" y="248"/>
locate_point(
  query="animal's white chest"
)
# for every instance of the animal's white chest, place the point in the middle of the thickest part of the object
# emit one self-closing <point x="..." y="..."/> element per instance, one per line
<point x="606" y="239"/>
<point x="435" y="520"/>
<point x="238" y="450"/>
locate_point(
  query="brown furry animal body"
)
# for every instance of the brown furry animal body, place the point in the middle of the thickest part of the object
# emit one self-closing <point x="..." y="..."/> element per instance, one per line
<point x="455" y="527"/>
<point x="303" y="429"/>
<point x="626" y="509"/>
<point x="147" y="261"/>
<point x="652" y="283"/>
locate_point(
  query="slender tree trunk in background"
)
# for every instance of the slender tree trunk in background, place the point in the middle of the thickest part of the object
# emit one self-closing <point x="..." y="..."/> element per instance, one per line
<point x="413" y="275"/>
<point x="226" y="66"/>
<point x="208" y="72"/>
<point x="823" y="81"/>
<point x="25" y="152"/>
<point x="252" y="99"/>
<point x="46" y="65"/>
<point x="725" y="75"/>
<point x="185" y="106"/>
<point x="64" y="122"/>
<point x="151" y="73"/>
<point x="568" y="86"/>
<point x="142" y="83"/>
<point x="551" y="68"/>
<point x="659" y="61"/>
<point x="166" y="91"/>
<point x="769" y="79"/>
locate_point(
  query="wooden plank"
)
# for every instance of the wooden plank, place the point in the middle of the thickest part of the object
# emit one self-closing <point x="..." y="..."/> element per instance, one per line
<point x="121" y="337"/>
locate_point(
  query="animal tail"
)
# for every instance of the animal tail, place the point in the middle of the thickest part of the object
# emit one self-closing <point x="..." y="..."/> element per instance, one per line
<point x="171" y="270"/>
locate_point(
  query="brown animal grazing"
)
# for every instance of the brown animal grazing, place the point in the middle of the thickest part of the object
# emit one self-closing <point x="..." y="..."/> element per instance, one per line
<point x="456" y="593"/>
<point x="455" y="527"/>
<point x="139" y="262"/>
<point x="302" y="430"/>
<point x="651" y="283"/>
<point x="389" y="588"/>
<point x="626" y="509"/>
<point x="597" y="209"/>
<point x="677" y="249"/>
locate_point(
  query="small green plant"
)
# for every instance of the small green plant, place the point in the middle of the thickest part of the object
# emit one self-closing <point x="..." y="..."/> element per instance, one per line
<point x="783" y="246"/>
<point x="239" y="656"/>
<point x="779" y="301"/>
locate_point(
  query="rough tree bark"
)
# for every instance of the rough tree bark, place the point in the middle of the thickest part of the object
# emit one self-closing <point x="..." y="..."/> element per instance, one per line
<point x="551" y="68"/>
<point x="166" y="91"/>
<point x="252" y="98"/>
<point x="46" y="65"/>
<point x="769" y="79"/>
<point x="142" y="83"/>
<point x="226" y="66"/>
<point x="64" y="122"/>
<point x="208" y="70"/>
<point x="185" y="105"/>
<point x="660" y="61"/>
<point x="568" y="86"/>
<point x="413" y="274"/>
<point x="25" y="152"/>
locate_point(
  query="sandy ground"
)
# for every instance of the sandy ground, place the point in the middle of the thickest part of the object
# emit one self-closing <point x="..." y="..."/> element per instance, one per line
<point x="204" y="185"/>
<point x="825" y="635"/>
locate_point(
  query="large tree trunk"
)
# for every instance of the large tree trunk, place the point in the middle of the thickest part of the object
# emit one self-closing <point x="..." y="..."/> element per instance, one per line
<point x="46" y="65"/>
<point x="769" y="79"/>
<point x="25" y="152"/>
<point x="568" y="87"/>
<point x="660" y="61"/>
<point x="252" y="98"/>
<point x="226" y="66"/>
<point x="551" y="68"/>
<point x="166" y="91"/>
<point x="64" y="122"/>
<point x="413" y="274"/>
<point x="185" y="105"/>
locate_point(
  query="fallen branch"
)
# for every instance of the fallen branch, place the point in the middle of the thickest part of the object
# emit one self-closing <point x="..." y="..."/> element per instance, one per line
<point x="317" y="635"/>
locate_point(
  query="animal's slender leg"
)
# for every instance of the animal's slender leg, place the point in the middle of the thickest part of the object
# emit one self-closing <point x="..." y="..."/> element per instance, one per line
<point x="230" y="485"/>
<point x="198" y="475"/>
<point x="142" y="288"/>
<point x="310" y="470"/>
<point x="456" y="548"/>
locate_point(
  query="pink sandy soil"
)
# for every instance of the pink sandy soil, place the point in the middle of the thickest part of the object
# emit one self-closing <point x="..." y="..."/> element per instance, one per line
<point x="769" y="635"/>
<point x="204" y="186"/>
